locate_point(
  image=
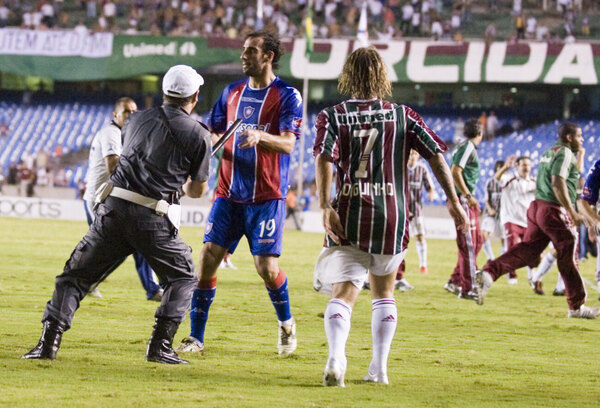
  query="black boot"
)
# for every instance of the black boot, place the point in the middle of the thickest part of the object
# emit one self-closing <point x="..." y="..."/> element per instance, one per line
<point x="160" y="345"/>
<point x="49" y="342"/>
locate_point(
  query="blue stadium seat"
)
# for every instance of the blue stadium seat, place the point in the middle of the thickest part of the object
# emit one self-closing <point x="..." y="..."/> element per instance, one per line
<point x="73" y="125"/>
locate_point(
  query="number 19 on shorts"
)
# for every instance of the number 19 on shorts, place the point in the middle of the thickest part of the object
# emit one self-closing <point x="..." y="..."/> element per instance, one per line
<point x="267" y="227"/>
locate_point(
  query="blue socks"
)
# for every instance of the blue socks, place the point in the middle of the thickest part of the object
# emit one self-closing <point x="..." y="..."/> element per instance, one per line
<point x="280" y="298"/>
<point x="201" y="301"/>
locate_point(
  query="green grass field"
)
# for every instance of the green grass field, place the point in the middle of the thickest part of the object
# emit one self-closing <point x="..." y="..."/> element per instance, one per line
<point x="517" y="350"/>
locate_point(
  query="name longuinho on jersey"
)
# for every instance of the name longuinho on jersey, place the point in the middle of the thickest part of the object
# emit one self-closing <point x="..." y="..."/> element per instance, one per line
<point x="367" y="189"/>
<point x="355" y="118"/>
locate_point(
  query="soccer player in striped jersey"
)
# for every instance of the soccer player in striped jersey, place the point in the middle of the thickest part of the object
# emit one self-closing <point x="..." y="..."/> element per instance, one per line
<point x="253" y="182"/>
<point x="368" y="140"/>
<point x="551" y="217"/>
<point x="465" y="173"/>
<point x="491" y="221"/>
<point x="419" y="179"/>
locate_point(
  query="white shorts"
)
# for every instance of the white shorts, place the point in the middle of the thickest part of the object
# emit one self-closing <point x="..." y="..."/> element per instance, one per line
<point x="350" y="264"/>
<point x="416" y="226"/>
<point x="491" y="224"/>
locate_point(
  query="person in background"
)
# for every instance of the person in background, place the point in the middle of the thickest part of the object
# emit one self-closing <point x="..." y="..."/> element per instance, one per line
<point x="465" y="174"/>
<point x="105" y="151"/>
<point x="551" y="217"/>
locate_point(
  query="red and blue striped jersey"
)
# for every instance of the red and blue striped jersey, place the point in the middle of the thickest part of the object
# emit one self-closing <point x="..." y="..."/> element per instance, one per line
<point x="591" y="191"/>
<point x="369" y="142"/>
<point x="255" y="174"/>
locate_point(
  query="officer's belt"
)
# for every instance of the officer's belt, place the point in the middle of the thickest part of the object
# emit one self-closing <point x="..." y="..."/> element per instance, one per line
<point x="160" y="206"/>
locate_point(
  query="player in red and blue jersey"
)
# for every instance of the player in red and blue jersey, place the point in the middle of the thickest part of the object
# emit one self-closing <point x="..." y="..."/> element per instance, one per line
<point x="588" y="204"/>
<point x="253" y="182"/>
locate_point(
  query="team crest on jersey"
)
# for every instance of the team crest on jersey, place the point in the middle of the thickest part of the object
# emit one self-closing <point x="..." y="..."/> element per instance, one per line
<point x="248" y="111"/>
<point x="208" y="228"/>
<point x="297" y="122"/>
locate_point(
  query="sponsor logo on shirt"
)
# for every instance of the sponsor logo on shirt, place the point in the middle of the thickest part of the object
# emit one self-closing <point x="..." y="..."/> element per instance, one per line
<point x="351" y="118"/>
<point x="248" y="126"/>
<point x="297" y="122"/>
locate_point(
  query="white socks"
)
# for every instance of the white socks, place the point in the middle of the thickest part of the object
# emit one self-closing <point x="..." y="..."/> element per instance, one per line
<point x="530" y="273"/>
<point x="546" y="264"/>
<point x="383" y="326"/>
<point x="487" y="249"/>
<point x="337" y="327"/>
<point x="384" y="320"/>
<point x="422" y="253"/>
<point x="560" y="284"/>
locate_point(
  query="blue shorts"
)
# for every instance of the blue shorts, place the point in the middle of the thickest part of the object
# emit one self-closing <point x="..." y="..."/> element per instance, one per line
<point x="261" y="223"/>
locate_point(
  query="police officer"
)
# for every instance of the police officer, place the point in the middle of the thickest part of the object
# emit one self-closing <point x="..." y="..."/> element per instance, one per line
<point x="165" y="152"/>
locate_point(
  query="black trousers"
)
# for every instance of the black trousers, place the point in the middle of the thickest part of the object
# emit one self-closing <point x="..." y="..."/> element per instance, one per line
<point x="120" y="228"/>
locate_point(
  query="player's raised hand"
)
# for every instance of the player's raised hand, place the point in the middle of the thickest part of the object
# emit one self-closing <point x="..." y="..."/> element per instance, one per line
<point x="333" y="225"/>
<point x="249" y="138"/>
<point x="511" y="161"/>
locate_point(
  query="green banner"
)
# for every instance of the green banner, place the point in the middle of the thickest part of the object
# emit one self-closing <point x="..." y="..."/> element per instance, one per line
<point x="72" y="56"/>
<point x="130" y="55"/>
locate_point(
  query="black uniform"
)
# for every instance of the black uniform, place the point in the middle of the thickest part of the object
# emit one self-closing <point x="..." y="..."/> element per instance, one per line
<point x="154" y="163"/>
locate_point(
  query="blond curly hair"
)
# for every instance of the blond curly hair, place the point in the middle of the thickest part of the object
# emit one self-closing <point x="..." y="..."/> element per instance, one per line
<point x="364" y="75"/>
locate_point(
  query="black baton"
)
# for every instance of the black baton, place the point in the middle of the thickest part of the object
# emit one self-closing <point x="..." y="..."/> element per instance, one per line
<point x="228" y="133"/>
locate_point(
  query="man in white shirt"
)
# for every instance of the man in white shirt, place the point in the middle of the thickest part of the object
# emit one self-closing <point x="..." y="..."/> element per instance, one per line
<point x="103" y="160"/>
<point x="518" y="192"/>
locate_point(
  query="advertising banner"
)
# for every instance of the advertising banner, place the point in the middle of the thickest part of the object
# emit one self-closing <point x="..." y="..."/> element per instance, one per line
<point x="70" y="56"/>
<point x="59" y="209"/>
<point x="194" y="216"/>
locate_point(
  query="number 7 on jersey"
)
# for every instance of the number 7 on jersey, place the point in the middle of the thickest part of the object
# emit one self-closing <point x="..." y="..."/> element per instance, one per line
<point x="372" y="134"/>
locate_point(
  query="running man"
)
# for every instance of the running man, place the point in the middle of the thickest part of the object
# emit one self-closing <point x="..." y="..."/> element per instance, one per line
<point x="551" y="217"/>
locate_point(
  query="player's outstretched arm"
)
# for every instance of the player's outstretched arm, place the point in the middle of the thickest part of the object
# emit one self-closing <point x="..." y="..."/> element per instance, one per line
<point x="442" y="174"/>
<point x="331" y="220"/>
